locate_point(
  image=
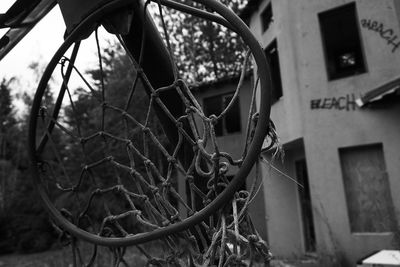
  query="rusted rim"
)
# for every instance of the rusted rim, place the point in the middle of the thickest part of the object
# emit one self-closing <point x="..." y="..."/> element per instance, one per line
<point x="224" y="197"/>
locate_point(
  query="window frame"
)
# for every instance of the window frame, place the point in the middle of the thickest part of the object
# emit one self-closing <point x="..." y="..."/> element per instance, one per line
<point x="264" y="14"/>
<point x="276" y="74"/>
<point x="334" y="73"/>
<point x="222" y="97"/>
<point x="391" y="208"/>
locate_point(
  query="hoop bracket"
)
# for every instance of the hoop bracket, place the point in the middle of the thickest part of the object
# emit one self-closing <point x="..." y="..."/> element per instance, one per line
<point x="74" y="11"/>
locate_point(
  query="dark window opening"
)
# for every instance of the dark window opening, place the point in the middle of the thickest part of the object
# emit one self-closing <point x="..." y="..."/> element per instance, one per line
<point x="367" y="190"/>
<point x="230" y="123"/>
<point x="342" y="44"/>
<point x="272" y="55"/>
<point x="266" y="17"/>
<point x="213" y="105"/>
<point x="232" y="118"/>
<point x="306" y="206"/>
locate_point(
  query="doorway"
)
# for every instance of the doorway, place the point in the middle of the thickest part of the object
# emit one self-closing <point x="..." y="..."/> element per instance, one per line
<point x="306" y="206"/>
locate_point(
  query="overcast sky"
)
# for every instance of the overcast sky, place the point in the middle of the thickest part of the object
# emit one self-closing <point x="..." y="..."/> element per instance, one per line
<point x="38" y="46"/>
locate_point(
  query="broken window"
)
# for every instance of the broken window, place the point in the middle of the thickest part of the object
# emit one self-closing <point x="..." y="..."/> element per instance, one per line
<point x="342" y="44"/>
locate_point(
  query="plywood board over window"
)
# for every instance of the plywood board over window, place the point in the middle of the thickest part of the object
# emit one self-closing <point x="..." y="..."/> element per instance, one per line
<point x="367" y="189"/>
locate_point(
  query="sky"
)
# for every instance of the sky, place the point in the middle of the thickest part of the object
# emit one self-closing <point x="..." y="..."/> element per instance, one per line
<point x="38" y="46"/>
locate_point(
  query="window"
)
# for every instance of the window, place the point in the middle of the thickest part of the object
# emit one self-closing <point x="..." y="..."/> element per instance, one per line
<point x="367" y="190"/>
<point x="341" y="40"/>
<point x="272" y="55"/>
<point x="231" y="122"/>
<point x="266" y="17"/>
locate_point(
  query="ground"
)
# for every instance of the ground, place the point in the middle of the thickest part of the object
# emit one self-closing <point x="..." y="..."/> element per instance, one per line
<point x="62" y="258"/>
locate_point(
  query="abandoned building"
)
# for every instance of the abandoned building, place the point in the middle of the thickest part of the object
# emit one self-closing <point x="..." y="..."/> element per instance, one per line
<point x="336" y="107"/>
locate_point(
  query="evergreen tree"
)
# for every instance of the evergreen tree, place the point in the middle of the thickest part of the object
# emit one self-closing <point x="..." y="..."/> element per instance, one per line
<point x="7" y="120"/>
<point x="24" y="225"/>
<point x="118" y="75"/>
<point x="8" y="143"/>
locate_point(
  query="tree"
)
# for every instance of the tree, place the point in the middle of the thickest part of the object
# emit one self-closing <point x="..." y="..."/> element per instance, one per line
<point x="8" y="143"/>
<point x="24" y="225"/>
<point x="204" y="50"/>
<point x="85" y="114"/>
<point x="7" y="119"/>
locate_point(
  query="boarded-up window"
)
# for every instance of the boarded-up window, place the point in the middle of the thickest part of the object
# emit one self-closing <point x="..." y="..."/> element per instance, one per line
<point x="367" y="189"/>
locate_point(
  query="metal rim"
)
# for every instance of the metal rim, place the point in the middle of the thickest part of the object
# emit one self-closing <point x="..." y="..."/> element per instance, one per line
<point x="253" y="153"/>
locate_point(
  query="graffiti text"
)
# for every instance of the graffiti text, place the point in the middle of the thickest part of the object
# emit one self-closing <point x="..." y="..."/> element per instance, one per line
<point x="384" y="32"/>
<point x="347" y="103"/>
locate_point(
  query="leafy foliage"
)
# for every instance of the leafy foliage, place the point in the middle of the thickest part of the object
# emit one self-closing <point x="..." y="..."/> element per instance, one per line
<point x="24" y="225"/>
<point x="204" y="50"/>
<point x="7" y="120"/>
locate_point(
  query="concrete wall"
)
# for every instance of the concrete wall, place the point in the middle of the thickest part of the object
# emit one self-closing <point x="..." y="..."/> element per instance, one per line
<point x="285" y="112"/>
<point x="304" y="78"/>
